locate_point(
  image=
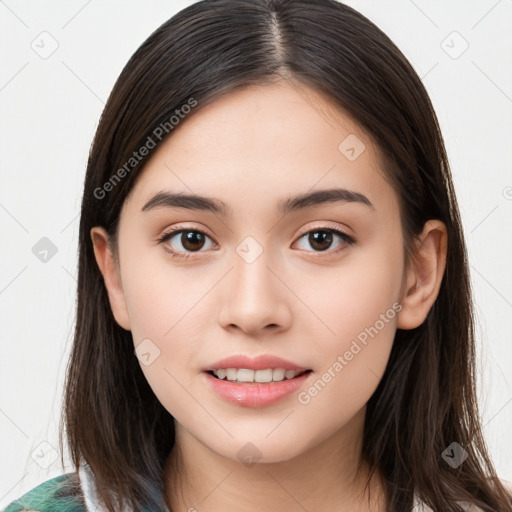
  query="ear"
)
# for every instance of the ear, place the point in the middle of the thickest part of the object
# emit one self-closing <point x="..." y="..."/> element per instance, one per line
<point x="110" y="272"/>
<point x="424" y="275"/>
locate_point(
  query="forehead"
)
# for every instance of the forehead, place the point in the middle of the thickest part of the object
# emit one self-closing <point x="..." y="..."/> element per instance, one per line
<point x="262" y="143"/>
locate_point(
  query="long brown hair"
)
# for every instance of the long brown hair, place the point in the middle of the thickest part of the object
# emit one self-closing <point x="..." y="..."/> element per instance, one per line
<point x="426" y="399"/>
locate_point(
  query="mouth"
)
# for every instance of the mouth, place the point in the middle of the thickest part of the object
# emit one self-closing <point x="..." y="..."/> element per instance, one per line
<point x="245" y="387"/>
<point x="255" y="381"/>
<point x="249" y="376"/>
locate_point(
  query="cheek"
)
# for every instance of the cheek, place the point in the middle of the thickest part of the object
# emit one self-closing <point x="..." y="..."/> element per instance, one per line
<point x="162" y="304"/>
<point x="160" y="295"/>
<point x="352" y="361"/>
<point x="358" y="305"/>
<point x="353" y="296"/>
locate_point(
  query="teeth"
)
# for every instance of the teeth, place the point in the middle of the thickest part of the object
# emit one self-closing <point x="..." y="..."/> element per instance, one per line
<point x="289" y="374"/>
<point x="246" y="375"/>
<point x="231" y="373"/>
<point x="263" y="375"/>
<point x="278" y="374"/>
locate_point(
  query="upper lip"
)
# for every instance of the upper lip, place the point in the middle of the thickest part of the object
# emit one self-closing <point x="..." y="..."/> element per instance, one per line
<point x="261" y="362"/>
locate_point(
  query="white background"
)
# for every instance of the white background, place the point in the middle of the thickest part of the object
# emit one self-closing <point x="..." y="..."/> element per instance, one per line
<point x="49" y="109"/>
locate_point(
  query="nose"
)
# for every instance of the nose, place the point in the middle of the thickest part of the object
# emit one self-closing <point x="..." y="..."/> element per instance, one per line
<point x="255" y="298"/>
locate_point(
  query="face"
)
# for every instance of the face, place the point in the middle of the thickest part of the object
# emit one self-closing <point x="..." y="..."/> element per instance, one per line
<point x="276" y="284"/>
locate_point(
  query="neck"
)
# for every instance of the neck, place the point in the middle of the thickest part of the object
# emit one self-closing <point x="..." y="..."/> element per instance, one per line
<point x="325" y="477"/>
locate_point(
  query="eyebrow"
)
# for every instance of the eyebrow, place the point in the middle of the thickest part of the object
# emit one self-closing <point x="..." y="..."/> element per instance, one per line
<point x="307" y="200"/>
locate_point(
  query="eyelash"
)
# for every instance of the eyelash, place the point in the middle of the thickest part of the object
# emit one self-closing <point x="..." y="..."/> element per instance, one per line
<point x="348" y="240"/>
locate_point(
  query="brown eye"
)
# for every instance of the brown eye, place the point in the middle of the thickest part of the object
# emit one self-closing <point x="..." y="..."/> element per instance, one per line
<point x="183" y="242"/>
<point x="320" y="240"/>
<point x="192" y="240"/>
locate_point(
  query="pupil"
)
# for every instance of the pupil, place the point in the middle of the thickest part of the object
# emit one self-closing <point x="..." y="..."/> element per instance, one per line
<point x="320" y="240"/>
<point x="192" y="240"/>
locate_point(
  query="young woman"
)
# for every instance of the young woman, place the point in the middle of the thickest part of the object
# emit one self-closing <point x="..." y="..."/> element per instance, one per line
<point x="274" y="308"/>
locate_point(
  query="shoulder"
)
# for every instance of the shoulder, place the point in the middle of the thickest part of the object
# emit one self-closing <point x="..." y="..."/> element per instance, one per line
<point x="466" y="506"/>
<point x="59" y="494"/>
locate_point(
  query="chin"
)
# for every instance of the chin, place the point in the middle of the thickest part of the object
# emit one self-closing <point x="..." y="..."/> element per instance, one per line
<point x="251" y="450"/>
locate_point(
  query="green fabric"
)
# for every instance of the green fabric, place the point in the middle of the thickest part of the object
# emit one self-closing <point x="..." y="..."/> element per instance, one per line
<point x="60" y="494"/>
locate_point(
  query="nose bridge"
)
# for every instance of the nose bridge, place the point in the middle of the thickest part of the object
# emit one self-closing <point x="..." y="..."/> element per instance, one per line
<point x="251" y="268"/>
<point x="255" y="297"/>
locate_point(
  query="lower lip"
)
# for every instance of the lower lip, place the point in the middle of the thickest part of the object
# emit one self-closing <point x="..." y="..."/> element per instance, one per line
<point x="255" y="394"/>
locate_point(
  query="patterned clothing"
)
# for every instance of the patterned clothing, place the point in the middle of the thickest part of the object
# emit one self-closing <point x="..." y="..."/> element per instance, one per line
<point x="74" y="492"/>
<point x="71" y="492"/>
<point x="60" y="494"/>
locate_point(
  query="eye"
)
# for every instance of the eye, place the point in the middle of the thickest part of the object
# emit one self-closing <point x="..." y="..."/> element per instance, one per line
<point x="193" y="240"/>
<point x="190" y="240"/>
<point x="321" y="239"/>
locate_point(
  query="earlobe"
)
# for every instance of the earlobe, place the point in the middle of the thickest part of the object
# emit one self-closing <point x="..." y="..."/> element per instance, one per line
<point x="110" y="272"/>
<point x="424" y="275"/>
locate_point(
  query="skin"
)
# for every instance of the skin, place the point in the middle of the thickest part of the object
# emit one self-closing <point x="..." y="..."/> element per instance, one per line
<point x="251" y="149"/>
